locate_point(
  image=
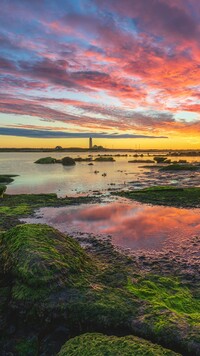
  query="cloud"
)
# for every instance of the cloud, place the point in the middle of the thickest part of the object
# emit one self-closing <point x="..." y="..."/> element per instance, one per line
<point x="8" y="131"/>
<point x="161" y="17"/>
<point x="130" y="225"/>
<point x="128" y="65"/>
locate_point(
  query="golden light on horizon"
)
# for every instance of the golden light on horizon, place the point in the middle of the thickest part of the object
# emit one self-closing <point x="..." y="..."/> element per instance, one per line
<point x="170" y="143"/>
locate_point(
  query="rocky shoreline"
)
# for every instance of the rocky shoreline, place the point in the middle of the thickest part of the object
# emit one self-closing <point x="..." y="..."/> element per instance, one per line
<point x="55" y="287"/>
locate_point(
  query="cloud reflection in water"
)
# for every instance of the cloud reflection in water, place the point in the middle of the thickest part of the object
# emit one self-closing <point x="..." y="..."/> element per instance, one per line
<point x="132" y="225"/>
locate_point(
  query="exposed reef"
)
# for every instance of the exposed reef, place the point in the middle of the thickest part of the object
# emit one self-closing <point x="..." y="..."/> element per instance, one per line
<point x="165" y="195"/>
<point x="105" y="159"/>
<point x="141" y="161"/>
<point x="180" y="167"/>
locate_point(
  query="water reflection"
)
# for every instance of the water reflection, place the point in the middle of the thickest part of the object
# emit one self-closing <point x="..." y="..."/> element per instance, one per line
<point x="134" y="226"/>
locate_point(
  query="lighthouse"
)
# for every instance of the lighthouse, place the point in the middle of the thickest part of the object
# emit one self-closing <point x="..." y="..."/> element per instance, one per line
<point x="90" y="143"/>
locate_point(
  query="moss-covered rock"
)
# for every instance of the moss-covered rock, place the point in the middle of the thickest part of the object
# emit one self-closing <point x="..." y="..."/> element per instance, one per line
<point x="41" y="260"/>
<point x="7" y="178"/>
<point x="46" y="160"/>
<point x="98" y="344"/>
<point x="68" y="161"/>
<point x="166" y="292"/>
<point x="17" y="203"/>
<point x="48" y="282"/>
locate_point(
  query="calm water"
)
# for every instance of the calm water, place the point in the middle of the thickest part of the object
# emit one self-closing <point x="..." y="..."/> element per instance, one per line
<point x="131" y="225"/>
<point x="34" y="178"/>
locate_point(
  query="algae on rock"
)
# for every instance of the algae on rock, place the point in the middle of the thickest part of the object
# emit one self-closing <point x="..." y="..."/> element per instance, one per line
<point x="98" y="344"/>
<point x="42" y="260"/>
<point x="49" y="282"/>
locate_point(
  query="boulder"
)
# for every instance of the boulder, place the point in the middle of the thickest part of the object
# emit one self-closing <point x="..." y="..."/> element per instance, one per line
<point x="68" y="161"/>
<point x="98" y="344"/>
<point x="46" y="160"/>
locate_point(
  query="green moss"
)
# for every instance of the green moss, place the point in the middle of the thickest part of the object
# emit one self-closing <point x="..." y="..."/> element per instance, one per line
<point x="104" y="308"/>
<point x="172" y="314"/>
<point x="34" y="201"/>
<point x="46" y="160"/>
<point x="102" y="345"/>
<point x="48" y="278"/>
<point x="12" y="207"/>
<point x="168" y="293"/>
<point x="21" y="209"/>
<point x="172" y="196"/>
<point x="41" y="259"/>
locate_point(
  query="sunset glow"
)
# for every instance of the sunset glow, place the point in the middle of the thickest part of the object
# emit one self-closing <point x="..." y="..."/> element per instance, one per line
<point x="100" y="67"/>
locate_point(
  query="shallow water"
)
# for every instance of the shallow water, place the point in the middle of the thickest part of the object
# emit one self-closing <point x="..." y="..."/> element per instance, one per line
<point x="35" y="178"/>
<point x="130" y="225"/>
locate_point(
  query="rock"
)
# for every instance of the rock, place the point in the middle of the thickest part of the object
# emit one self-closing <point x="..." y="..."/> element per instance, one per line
<point x="6" y="178"/>
<point x="37" y="256"/>
<point x="160" y="159"/>
<point x="46" y="160"/>
<point x="2" y="190"/>
<point x="98" y="344"/>
<point x="68" y="161"/>
<point x="105" y="159"/>
<point x="49" y="285"/>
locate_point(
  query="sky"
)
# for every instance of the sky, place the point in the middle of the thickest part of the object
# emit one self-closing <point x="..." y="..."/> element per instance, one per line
<point x="125" y="72"/>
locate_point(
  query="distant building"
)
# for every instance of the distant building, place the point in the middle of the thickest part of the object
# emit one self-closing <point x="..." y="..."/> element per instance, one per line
<point x="95" y="147"/>
<point x="90" y="143"/>
<point x="58" y="148"/>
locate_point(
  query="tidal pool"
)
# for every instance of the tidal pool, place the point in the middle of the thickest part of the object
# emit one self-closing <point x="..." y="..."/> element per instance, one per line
<point x="130" y="225"/>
